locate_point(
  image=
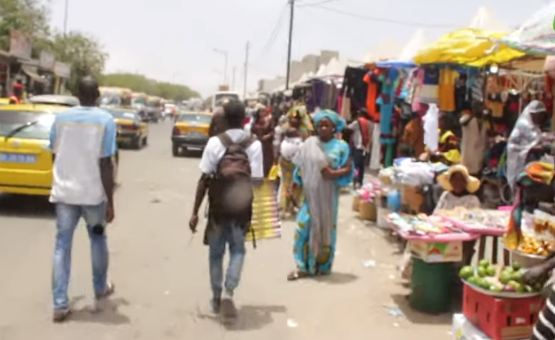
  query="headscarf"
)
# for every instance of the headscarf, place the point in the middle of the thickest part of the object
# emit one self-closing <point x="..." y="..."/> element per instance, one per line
<point x="333" y="117"/>
<point x="525" y="136"/>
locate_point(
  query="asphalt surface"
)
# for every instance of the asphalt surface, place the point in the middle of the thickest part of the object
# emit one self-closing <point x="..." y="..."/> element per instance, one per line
<point x="161" y="272"/>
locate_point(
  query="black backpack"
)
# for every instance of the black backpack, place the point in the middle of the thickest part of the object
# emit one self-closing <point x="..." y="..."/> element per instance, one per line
<point x="230" y="193"/>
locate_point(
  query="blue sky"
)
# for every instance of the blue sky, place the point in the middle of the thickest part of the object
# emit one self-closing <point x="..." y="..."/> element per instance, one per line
<point x="173" y="40"/>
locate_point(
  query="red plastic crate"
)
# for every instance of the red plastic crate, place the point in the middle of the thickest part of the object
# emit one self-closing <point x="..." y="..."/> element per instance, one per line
<point x="501" y="318"/>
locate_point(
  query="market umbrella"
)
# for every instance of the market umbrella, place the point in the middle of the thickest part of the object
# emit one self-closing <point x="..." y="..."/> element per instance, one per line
<point x="536" y="35"/>
<point x="470" y="47"/>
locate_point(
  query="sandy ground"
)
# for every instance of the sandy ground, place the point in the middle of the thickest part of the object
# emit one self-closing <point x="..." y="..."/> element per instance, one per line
<point x="162" y="278"/>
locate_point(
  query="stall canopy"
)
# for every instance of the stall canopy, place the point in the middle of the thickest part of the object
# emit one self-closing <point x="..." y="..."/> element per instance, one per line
<point x="536" y="35"/>
<point x="470" y="47"/>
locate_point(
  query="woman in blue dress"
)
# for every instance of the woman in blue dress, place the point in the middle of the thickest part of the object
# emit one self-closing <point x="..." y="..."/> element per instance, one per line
<point x="323" y="166"/>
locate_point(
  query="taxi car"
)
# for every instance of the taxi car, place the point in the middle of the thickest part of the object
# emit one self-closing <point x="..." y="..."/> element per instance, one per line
<point x="25" y="156"/>
<point x="55" y="99"/>
<point x="4" y="101"/>
<point x="132" y="130"/>
<point x="190" y="131"/>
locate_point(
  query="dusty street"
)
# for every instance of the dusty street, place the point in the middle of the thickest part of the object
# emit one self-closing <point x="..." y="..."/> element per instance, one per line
<point x="161" y="276"/>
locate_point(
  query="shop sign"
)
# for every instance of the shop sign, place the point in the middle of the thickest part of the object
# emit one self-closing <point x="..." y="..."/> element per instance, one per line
<point x="47" y="60"/>
<point x="20" y="45"/>
<point x="62" y="70"/>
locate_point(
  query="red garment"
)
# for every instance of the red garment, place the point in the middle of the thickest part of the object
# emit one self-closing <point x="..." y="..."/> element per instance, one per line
<point x="372" y="95"/>
<point x="364" y="131"/>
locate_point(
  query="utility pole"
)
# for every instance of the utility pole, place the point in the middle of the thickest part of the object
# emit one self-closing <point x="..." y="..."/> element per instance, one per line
<point x="66" y="16"/>
<point x="291" y="17"/>
<point x="245" y="79"/>
<point x="233" y="78"/>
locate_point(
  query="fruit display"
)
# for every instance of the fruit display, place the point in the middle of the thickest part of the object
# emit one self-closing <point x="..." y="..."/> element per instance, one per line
<point x="497" y="280"/>
<point x="532" y="246"/>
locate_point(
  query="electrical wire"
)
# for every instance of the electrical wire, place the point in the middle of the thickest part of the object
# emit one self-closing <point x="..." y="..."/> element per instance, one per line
<point x="273" y="35"/>
<point x="318" y="3"/>
<point x="378" y="19"/>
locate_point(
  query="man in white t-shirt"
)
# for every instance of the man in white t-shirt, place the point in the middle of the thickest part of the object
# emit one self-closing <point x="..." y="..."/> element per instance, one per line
<point x="83" y="141"/>
<point x="232" y="228"/>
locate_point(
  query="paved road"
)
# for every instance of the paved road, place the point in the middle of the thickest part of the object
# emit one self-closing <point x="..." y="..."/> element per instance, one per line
<point x="162" y="278"/>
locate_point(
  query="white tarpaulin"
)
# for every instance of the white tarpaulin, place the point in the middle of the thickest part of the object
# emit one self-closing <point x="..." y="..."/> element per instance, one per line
<point x="536" y="35"/>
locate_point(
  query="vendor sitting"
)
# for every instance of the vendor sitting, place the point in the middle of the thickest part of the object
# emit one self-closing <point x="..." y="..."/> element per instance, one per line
<point x="459" y="189"/>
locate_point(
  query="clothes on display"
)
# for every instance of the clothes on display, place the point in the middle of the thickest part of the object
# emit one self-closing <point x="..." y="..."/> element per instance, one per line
<point x="474" y="143"/>
<point x="431" y="128"/>
<point x="354" y="87"/>
<point x="372" y="79"/>
<point x="429" y="92"/>
<point x="447" y="80"/>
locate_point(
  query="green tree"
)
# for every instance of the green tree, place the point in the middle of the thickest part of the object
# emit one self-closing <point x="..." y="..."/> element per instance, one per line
<point x="27" y="16"/>
<point x="140" y="83"/>
<point x="83" y="53"/>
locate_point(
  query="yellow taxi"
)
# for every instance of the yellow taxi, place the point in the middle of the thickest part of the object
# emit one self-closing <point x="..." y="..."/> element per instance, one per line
<point x="25" y="156"/>
<point x="132" y="130"/>
<point x="4" y="101"/>
<point x="190" y="132"/>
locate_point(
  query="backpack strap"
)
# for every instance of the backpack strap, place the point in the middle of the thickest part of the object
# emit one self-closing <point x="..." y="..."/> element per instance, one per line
<point x="225" y="140"/>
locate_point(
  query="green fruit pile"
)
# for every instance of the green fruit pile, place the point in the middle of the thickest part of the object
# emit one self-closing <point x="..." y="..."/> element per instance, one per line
<point x="508" y="279"/>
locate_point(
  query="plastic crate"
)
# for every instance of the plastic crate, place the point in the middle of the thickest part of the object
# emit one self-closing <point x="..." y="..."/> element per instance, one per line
<point x="501" y="318"/>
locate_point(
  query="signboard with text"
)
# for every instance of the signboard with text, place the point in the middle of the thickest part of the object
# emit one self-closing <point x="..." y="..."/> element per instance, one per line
<point x="62" y="70"/>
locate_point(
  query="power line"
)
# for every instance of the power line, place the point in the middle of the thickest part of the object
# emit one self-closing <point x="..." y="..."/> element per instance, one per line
<point x="378" y="19"/>
<point x="317" y="3"/>
<point x="275" y="31"/>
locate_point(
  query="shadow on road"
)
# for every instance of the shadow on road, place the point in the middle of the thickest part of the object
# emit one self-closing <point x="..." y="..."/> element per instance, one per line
<point x="105" y="312"/>
<point x="416" y="317"/>
<point x="337" y="278"/>
<point x="26" y="206"/>
<point x="249" y="318"/>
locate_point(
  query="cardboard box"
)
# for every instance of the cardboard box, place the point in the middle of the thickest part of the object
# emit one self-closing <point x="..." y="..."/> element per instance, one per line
<point x="367" y="211"/>
<point x="411" y="199"/>
<point x="436" y="252"/>
<point x="463" y="329"/>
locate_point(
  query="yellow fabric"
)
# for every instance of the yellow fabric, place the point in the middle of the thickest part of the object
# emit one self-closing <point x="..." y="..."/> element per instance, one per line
<point x="453" y="156"/>
<point x="446" y="135"/>
<point x="469" y="46"/>
<point x="273" y="175"/>
<point x="447" y="79"/>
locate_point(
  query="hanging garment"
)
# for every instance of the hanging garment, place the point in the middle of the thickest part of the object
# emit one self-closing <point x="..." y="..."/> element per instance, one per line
<point x="386" y="102"/>
<point x="474" y="144"/>
<point x="447" y="80"/>
<point x="375" y="157"/>
<point x="372" y="80"/>
<point x="346" y="108"/>
<point x="417" y="88"/>
<point x="357" y="88"/>
<point x="429" y="93"/>
<point x="431" y="128"/>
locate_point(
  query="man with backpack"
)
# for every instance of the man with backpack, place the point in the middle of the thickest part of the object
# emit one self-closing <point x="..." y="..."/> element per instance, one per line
<point x="230" y="162"/>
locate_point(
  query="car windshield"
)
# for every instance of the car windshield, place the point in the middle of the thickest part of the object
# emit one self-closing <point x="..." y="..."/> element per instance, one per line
<point x="191" y="118"/>
<point x="124" y="115"/>
<point x="11" y="120"/>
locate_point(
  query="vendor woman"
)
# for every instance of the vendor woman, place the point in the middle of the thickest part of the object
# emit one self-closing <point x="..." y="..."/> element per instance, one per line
<point x="460" y="189"/>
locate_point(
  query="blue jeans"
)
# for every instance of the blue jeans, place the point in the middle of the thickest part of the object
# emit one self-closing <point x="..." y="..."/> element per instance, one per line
<point x="67" y="219"/>
<point x="218" y="237"/>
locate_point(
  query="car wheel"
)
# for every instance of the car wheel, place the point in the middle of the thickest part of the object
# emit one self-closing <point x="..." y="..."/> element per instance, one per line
<point x="145" y="141"/>
<point x="175" y="150"/>
<point x="136" y="143"/>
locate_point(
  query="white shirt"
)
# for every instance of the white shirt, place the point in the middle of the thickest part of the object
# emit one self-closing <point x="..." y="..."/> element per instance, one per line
<point x="80" y="138"/>
<point x="357" y="134"/>
<point x="215" y="151"/>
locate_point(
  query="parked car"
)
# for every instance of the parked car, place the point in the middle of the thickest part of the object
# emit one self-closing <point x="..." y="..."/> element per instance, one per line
<point x="190" y="131"/>
<point x="132" y="130"/>
<point x="25" y="156"/>
<point x="53" y="99"/>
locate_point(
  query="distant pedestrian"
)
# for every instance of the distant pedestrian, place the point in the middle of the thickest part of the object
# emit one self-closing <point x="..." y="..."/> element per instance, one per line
<point x="83" y="141"/>
<point x="229" y="163"/>
<point x="263" y="128"/>
<point x="361" y="139"/>
<point x="323" y="166"/>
